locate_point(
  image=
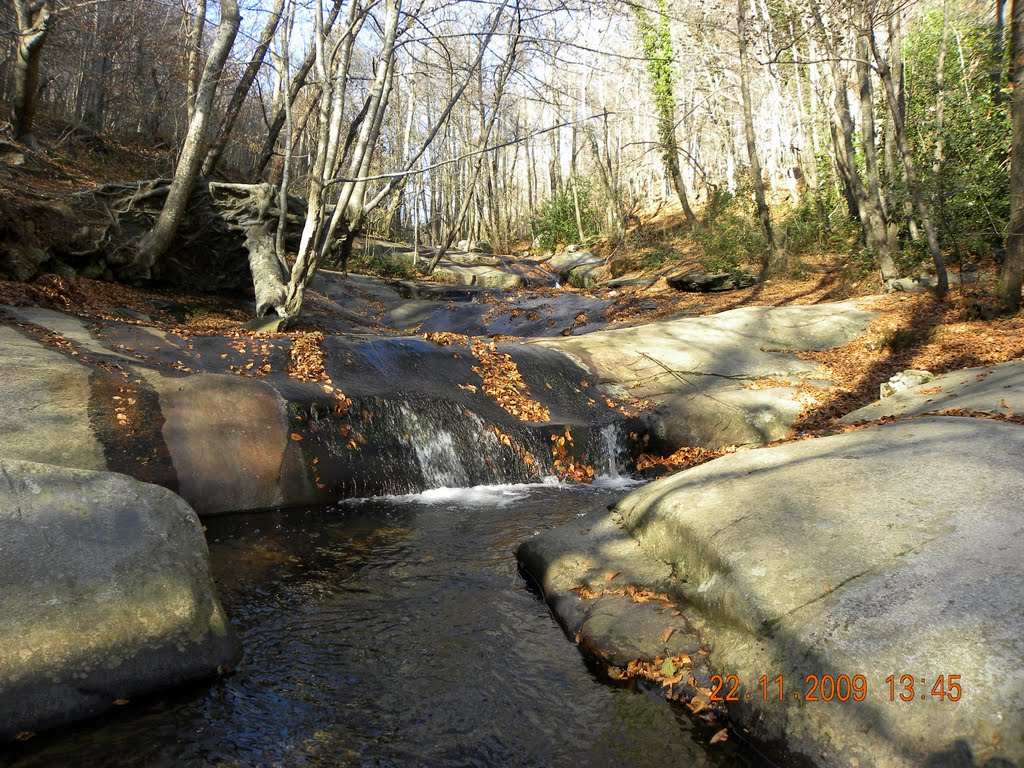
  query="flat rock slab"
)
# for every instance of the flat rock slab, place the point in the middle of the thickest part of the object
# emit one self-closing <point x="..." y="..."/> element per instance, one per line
<point x="106" y="595"/>
<point x="700" y="369"/>
<point x="359" y="303"/>
<point x="600" y="586"/>
<point x="990" y="389"/>
<point x="895" y="550"/>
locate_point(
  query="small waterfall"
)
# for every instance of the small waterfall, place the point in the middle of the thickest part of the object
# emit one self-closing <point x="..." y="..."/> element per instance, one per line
<point x="436" y="450"/>
<point x="614" y="449"/>
<point x="409" y="445"/>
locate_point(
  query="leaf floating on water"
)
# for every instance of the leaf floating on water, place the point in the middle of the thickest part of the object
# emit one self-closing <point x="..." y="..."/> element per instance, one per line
<point x="120" y="702"/>
<point x="296" y="436"/>
<point x="24" y="735"/>
<point x="721" y="736"/>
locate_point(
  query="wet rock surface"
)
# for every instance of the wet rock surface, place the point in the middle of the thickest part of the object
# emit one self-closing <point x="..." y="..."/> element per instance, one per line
<point x="227" y="423"/>
<point x="107" y="595"/>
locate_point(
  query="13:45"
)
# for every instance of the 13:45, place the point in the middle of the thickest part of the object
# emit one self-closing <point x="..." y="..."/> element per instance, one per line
<point x="944" y="687"/>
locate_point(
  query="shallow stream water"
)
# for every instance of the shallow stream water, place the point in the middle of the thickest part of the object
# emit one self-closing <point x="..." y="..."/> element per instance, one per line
<point x="393" y="632"/>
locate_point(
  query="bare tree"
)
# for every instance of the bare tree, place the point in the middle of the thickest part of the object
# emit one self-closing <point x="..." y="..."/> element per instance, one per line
<point x="909" y="167"/>
<point x="773" y="255"/>
<point x="156" y="242"/>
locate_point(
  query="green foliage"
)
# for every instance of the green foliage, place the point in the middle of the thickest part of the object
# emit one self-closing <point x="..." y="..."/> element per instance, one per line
<point x="732" y="240"/>
<point x="730" y="235"/>
<point x="556" y="223"/>
<point x="969" y="191"/>
<point x="382" y="266"/>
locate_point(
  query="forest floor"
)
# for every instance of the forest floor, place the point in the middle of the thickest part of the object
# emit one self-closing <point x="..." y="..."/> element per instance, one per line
<point x="912" y="330"/>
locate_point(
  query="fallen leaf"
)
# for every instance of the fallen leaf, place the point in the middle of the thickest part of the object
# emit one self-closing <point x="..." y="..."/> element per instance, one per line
<point x="296" y="436"/>
<point x="696" y="705"/>
<point x="666" y="633"/>
<point x="721" y="736"/>
<point x="120" y="702"/>
<point x="611" y="575"/>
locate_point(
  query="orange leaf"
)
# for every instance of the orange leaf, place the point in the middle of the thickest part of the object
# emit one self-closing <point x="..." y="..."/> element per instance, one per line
<point x="666" y="633"/>
<point x="296" y="436"/>
<point x="721" y="736"/>
<point x="611" y="575"/>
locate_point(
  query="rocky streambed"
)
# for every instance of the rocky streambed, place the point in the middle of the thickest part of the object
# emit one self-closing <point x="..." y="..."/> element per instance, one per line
<point x="886" y="560"/>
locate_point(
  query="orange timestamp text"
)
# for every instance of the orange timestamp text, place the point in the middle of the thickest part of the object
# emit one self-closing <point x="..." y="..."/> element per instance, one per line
<point x="907" y="687"/>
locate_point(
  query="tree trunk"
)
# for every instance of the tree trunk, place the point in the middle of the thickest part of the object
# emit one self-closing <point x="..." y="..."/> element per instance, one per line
<point x="194" y="43"/>
<point x="156" y="242"/>
<point x="773" y="256"/>
<point x="913" y="184"/>
<point x="33" y="17"/>
<point x="297" y="83"/>
<point x="1013" y="267"/>
<point x="227" y="124"/>
<point x="657" y="45"/>
<point x="877" y="229"/>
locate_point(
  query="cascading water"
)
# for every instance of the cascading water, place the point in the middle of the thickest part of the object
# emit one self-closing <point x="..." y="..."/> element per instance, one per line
<point x="435" y="449"/>
<point x="426" y="444"/>
<point x="614" y="445"/>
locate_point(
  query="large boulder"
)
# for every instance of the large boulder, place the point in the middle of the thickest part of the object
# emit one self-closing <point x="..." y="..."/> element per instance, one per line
<point x="566" y="262"/>
<point x="106" y="594"/>
<point x="722" y="379"/>
<point x="894" y="553"/>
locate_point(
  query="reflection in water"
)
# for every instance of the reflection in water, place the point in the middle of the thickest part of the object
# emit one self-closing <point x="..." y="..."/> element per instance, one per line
<point x="392" y="632"/>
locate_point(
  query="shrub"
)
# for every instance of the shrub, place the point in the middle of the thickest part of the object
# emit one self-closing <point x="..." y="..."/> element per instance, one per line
<point x="557" y="220"/>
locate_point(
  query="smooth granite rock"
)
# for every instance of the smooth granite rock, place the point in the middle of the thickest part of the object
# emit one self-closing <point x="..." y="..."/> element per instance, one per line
<point x="702" y="370"/>
<point x="896" y="550"/>
<point x="989" y="389"/>
<point x="106" y="594"/>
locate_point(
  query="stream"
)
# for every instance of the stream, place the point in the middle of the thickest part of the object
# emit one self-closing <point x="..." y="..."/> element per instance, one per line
<point x="393" y="631"/>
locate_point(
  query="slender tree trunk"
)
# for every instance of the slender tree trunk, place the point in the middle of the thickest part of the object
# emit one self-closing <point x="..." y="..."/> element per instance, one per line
<point x="913" y="184"/>
<point x="33" y="17"/>
<point x="298" y="81"/>
<point x="158" y="240"/>
<point x="1013" y="267"/>
<point x="193" y="62"/>
<point x="227" y="123"/>
<point x="773" y="256"/>
<point x="877" y="215"/>
<point x="657" y="44"/>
